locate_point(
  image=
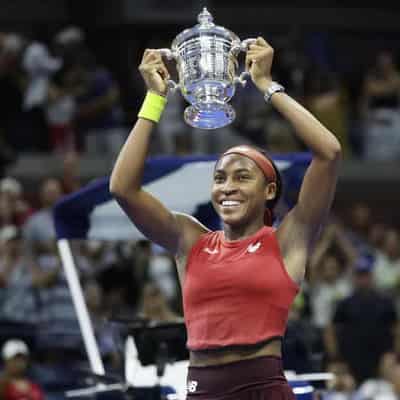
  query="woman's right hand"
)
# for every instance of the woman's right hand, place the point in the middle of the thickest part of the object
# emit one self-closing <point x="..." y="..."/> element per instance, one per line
<point x="154" y="72"/>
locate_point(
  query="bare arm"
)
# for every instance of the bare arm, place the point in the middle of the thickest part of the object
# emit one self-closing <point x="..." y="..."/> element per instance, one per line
<point x="175" y="232"/>
<point x="300" y="227"/>
<point x="319" y="183"/>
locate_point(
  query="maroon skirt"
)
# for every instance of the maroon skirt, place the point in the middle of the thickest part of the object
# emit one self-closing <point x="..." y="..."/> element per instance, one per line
<point x="260" y="378"/>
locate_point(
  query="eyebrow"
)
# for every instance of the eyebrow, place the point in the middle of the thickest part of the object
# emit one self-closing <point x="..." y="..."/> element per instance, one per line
<point x="235" y="171"/>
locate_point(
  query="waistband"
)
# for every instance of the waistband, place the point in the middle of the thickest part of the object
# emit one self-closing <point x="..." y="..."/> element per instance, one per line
<point x="227" y="379"/>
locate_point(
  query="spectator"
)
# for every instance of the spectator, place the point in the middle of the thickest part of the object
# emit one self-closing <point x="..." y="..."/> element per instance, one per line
<point x="358" y="224"/>
<point x="333" y="240"/>
<point x="299" y="339"/>
<point x="39" y="66"/>
<point x="99" y="118"/>
<point x="364" y="326"/>
<point x="381" y="385"/>
<point x="343" y="385"/>
<point x="155" y="305"/>
<point x="327" y="98"/>
<point x="70" y="179"/>
<point x="59" y="328"/>
<point x="39" y="228"/>
<point x="162" y="273"/>
<point x="380" y="103"/>
<point x="387" y="264"/>
<point x="11" y="92"/>
<point x="394" y="392"/>
<point x="17" y="279"/>
<point x="332" y="286"/>
<point x="12" y="190"/>
<point x="60" y="113"/>
<point x="104" y="331"/>
<point x="14" y="381"/>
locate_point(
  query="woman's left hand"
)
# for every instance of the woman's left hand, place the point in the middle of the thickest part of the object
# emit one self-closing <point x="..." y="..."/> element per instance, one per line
<point x="259" y="62"/>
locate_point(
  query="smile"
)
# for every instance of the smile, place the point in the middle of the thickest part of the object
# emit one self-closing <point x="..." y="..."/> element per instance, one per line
<point x="230" y="203"/>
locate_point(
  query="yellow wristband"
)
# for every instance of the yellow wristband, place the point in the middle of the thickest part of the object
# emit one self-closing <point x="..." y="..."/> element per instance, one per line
<point x="152" y="107"/>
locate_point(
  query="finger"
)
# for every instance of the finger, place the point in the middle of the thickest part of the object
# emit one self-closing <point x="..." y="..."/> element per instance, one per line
<point x="152" y="55"/>
<point x="255" y="46"/>
<point x="156" y="68"/>
<point x="162" y="70"/>
<point x="262" y="42"/>
<point x="255" y="56"/>
<point x="154" y="62"/>
<point x="151" y="65"/>
<point x="253" y="53"/>
<point x="248" y="63"/>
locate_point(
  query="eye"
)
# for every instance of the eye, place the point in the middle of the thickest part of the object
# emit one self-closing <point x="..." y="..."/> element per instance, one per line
<point x="244" y="177"/>
<point x="218" y="178"/>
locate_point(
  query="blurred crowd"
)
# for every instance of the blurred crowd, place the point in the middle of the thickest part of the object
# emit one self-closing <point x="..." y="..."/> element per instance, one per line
<point x="345" y="319"/>
<point x="57" y="99"/>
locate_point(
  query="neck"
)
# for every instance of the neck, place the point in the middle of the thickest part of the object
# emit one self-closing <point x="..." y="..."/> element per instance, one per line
<point x="241" y="232"/>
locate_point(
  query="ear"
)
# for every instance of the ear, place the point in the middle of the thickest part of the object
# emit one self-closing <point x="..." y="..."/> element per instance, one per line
<point x="270" y="191"/>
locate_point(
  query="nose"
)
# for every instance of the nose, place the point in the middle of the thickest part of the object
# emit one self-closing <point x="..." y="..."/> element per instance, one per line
<point x="229" y="187"/>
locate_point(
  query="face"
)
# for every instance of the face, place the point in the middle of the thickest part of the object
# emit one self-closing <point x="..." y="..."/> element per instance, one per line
<point x="51" y="192"/>
<point x="361" y="216"/>
<point x="330" y="269"/>
<point x="391" y="244"/>
<point x="17" y="365"/>
<point x="240" y="190"/>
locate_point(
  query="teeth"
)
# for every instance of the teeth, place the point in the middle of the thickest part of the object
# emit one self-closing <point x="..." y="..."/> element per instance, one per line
<point x="230" y="203"/>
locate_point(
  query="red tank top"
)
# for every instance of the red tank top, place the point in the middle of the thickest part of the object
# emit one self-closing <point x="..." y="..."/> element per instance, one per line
<point x="236" y="293"/>
<point x="27" y="391"/>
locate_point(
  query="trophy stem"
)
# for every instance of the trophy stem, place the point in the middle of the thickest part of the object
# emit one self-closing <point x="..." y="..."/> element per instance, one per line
<point x="209" y="119"/>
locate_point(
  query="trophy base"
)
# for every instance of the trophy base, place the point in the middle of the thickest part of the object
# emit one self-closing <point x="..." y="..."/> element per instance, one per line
<point x="209" y="119"/>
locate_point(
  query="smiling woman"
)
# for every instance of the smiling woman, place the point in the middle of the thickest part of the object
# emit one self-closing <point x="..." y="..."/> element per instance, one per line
<point x="240" y="169"/>
<point x="238" y="283"/>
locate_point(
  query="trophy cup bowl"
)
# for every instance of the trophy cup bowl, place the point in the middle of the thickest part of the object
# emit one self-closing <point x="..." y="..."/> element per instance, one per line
<point x="206" y="61"/>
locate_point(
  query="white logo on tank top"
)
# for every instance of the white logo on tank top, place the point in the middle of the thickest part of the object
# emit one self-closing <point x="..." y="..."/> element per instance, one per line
<point x="209" y="251"/>
<point x="192" y="386"/>
<point x="254" y="247"/>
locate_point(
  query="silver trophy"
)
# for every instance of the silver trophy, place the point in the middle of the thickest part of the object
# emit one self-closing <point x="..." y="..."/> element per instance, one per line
<point x="206" y="58"/>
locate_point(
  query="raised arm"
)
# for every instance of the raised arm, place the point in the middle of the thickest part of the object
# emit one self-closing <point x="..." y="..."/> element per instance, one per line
<point x="300" y="227"/>
<point x="319" y="183"/>
<point x="174" y="232"/>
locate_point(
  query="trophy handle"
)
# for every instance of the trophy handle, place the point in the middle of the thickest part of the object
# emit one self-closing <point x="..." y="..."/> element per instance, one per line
<point x="170" y="55"/>
<point x="172" y="85"/>
<point x="241" y="78"/>
<point x="244" y="45"/>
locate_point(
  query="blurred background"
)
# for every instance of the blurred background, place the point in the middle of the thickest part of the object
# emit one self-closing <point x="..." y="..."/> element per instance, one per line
<point x="70" y="91"/>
